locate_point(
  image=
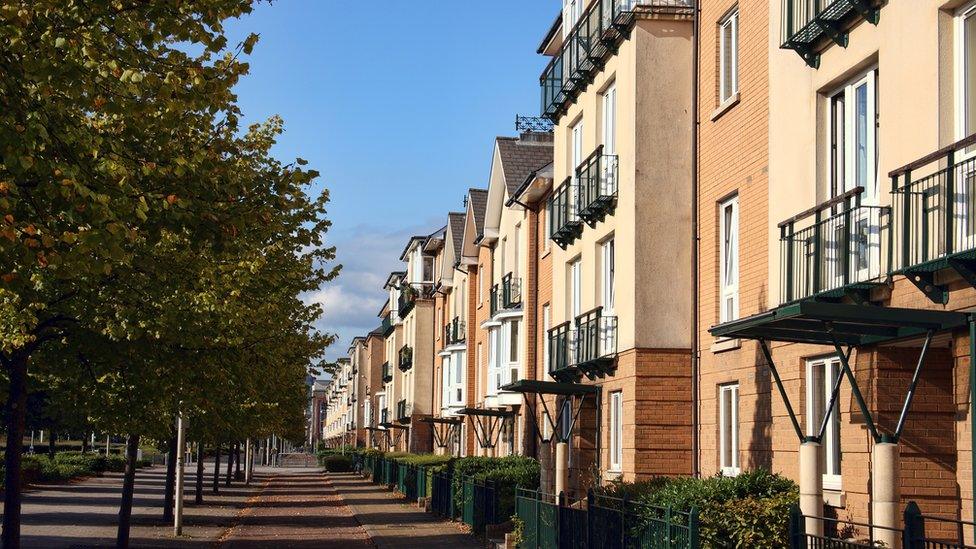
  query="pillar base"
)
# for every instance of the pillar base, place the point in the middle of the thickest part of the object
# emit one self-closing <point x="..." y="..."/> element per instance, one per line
<point x="811" y="487"/>
<point x="886" y="493"/>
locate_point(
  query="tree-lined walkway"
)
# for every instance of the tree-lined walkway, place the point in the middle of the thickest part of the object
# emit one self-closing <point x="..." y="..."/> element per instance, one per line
<point x="394" y="524"/>
<point x="296" y="508"/>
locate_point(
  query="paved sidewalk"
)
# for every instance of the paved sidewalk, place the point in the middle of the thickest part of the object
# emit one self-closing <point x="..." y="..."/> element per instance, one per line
<point x="392" y="523"/>
<point x="296" y="508"/>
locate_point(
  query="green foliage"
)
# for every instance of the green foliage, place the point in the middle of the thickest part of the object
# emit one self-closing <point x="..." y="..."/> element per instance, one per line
<point x="748" y="510"/>
<point x="337" y="463"/>
<point x="518" y="530"/>
<point x="509" y="473"/>
<point x="425" y="460"/>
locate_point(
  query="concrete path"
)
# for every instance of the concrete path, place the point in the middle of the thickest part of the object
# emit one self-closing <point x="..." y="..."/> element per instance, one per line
<point x="394" y="524"/>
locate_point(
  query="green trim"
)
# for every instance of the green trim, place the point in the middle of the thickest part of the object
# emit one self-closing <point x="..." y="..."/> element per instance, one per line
<point x="549" y="388"/>
<point x="857" y="325"/>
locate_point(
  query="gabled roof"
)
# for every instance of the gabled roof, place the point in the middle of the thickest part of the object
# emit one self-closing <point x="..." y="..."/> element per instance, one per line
<point x="477" y="200"/>
<point x="456" y="224"/>
<point x="520" y="156"/>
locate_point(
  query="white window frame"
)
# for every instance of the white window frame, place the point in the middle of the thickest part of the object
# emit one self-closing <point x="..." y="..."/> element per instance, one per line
<point x="610" y="119"/>
<point x="959" y="35"/>
<point x="729" y="260"/>
<point x="546" y="322"/>
<point x="575" y="288"/>
<point x="608" y="290"/>
<point x="575" y="158"/>
<point x="512" y="367"/>
<point x="729" y="421"/>
<point x="616" y="431"/>
<point x="731" y="21"/>
<point x="965" y="226"/>
<point x="833" y="456"/>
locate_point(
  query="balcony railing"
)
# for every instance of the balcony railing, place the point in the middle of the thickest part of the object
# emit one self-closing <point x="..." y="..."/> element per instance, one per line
<point x="597" y="187"/>
<point x="586" y="346"/>
<point x="934" y="210"/>
<point x="494" y="295"/>
<point x="387" y="373"/>
<point x="596" y="342"/>
<point x="511" y="291"/>
<point x="565" y="225"/>
<point x="402" y="410"/>
<point x="809" y="25"/>
<point x="561" y="352"/>
<point x="387" y="325"/>
<point x="384" y="416"/>
<point x="840" y="248"/>
<point x="588" y="45"/>
<point x="454" y="332"/>
<point x="410" y="293"/>
<point x="405" y="358"/>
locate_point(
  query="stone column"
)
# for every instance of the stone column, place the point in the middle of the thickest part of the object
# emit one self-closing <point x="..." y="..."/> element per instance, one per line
<point x="811" y="487"/>
<point x="885" y="493"/>
<point x="562" y="467"/>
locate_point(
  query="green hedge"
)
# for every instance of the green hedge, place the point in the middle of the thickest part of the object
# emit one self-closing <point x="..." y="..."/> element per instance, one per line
<point x="748" y="510"/>
<point x="508" y="473"/>
<point x="337" y="463"/>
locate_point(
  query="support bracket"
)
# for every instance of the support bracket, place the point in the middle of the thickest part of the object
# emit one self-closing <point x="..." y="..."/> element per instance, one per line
<point x="966" y="269"/>
<point x="925" y="282"/>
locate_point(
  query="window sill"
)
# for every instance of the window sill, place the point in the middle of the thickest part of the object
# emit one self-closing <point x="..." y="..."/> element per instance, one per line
<point x="834" y="498"/>
<point x="725" y="344"/>
<point x="725" y="107"/>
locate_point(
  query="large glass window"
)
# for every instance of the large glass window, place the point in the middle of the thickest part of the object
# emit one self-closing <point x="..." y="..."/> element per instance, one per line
<point x="608" y="260"/>
<point x="728" y="56"/>
<point x="822" y="374"/>
<point x="575" y="288"/>
<point x="729" y="428"/>
<point x="853" y="132"/>
<point x="729" y="259"/>
<point x="610" y="120"/>
<point x="966" y="70"/>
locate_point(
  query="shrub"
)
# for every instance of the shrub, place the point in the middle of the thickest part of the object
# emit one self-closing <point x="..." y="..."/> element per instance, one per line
<point x="749" y="510"/>
<point x="337" y="463"/>
<point x="509" y="473"/>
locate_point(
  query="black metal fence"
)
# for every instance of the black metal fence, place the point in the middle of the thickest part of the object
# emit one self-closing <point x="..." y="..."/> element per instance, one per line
<point x="565" y="225"/>
<point x="597" y="190"/>
<point x="596" y="336"/>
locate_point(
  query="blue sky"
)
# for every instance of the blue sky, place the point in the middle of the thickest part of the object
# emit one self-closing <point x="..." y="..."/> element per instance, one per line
<point x="397" y="104"/>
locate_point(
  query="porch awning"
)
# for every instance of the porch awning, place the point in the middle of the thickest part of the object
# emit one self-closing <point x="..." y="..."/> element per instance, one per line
<point x="441" y="420"/>
<point x="855" y="325"/>
<point x="533" y="386"/>
<point x="485" y="412"/>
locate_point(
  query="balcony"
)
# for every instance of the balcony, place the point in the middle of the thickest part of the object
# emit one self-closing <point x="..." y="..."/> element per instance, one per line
<point x="454" y="332"/>
<point x="597" y="188"/>
<point x="839" y="249"/>
<point x="511" y="291"/>
<point x="384" y="416"/>
<point x="584" y="347"/>
<point x="405" y="358"/>
<point x="810" y="26"/>
<point x="561" y="352"/>
<point x="387" y="373"/>
<point x="410" y="293"/>
<point x="934" y="210"/>
<point x="589" y="44"/>
<point x="565" y="225"/>
<point x="403" y="412"/>
<point x="596" y="343"/>
<point x="387" y="325"/>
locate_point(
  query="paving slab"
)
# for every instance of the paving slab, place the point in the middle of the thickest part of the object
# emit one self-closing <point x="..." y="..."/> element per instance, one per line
<point x="393" y="523"/>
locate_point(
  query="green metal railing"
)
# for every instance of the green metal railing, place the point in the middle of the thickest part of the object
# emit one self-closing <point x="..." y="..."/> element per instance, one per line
<point x="387" y="372"/>
<point x="597" y="190"/>
<point x="602" y="522"/>
<point x="405" y="358"/>
<point x="565" y="225"/>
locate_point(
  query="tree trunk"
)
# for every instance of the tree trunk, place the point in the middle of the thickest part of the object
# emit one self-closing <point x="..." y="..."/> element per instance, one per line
<point x="51" y="445"/>
<point x="128" y="489"/>
<point x="16" y="410"/>
<point x="216" y="475"/>
<point x="237" y="462"/>
<point x="199" y="496"/>
<point x="170" y="480"/>
<point x="230" y="464"/>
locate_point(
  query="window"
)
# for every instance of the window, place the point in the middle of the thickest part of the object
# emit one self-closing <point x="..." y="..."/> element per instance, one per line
<point x="853" y="143"/>
<point x="494" y="343"/>
<point x="610" y="120"/>
<point x="728" y="56"/>
<point x="729" y="255"/>
<point x="445" y="382"/>
<point x="572" y="11"/>
<point x="513" y="351"/>
<point x="574" y="287"/>
<point x="481" y="283"/>
<point x="545" y="331"/>
<point x="616" y="431"/>
<point x="575" y="158"/>
<point x="501" y="257"/>
<point x="728" y="420"/>
<point x="516" y="260"/>
<point x="608" y="291"/>
<point x="428" y="269"/>
<point x="965" y="34"/>
<point x="822" y="374"/>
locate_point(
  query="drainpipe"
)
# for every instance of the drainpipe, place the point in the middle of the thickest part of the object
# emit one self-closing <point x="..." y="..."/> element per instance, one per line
<point x="972" y="401"/>
<point x="695" y="340"/>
